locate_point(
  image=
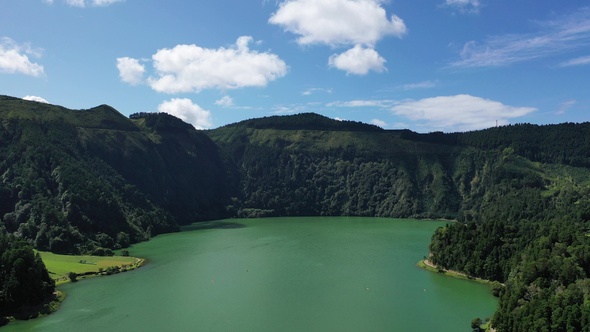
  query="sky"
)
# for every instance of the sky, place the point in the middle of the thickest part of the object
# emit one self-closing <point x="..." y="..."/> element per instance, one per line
<point x="424" y="65"/>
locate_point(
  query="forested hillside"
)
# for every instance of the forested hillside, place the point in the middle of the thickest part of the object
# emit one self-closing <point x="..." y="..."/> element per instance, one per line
<point x="76" y="181"/>
<point x="83" y="181"/>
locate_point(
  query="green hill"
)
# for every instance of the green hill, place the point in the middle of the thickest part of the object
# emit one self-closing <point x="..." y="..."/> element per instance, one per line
<point x="83" y="181"/>
<point x="74" y="181"/>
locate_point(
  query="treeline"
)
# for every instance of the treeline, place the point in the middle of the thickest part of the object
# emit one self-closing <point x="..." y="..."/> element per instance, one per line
<point x="567" y="143"/>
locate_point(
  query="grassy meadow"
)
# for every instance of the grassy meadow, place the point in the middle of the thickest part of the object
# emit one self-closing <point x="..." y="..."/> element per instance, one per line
<point x="59" y="266"/>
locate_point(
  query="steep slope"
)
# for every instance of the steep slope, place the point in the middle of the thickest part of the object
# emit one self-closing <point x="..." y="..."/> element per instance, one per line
<point x="73" y="181"/>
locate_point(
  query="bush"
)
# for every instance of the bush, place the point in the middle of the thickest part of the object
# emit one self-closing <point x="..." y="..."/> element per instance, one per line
<point x="496" y="288"/>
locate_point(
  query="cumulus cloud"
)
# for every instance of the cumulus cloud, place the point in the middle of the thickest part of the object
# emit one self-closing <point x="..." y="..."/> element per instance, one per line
<point x="191" y="68"/>
<point x="458" y="113"/>
<point x="35" y="98"/>
<point x="187" y="111"/>
<point x="568" y="33"/>
<point x="14" y="58"/>
<point x="358" y="60"/>
<point x="337" y="22"/>
<point x="130" y="70"/>
<point x="225" y="101"/>
<point x="341" y="23"/>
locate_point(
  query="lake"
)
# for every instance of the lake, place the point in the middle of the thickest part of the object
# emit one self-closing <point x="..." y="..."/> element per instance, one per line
<point x="277" y="274"/>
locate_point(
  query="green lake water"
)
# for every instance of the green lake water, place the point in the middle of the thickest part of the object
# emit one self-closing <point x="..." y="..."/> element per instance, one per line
<point x="277" y="274"/>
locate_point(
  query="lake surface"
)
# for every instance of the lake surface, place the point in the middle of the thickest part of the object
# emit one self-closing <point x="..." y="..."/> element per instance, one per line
<point x="277" y="274"/>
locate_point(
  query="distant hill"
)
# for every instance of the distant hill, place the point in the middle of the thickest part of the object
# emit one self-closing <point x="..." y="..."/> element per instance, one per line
<point x="304" y="121"/>
<point x="93" y="180"/>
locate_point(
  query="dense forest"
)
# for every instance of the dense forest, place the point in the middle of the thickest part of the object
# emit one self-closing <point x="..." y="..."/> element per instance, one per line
<point x="90" y="181"/>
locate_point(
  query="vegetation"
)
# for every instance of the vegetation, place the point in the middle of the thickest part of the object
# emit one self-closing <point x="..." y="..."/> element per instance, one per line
<point x="60" y="267"/>
<point x="25" y="284"/>
<point x="94" y="181"/>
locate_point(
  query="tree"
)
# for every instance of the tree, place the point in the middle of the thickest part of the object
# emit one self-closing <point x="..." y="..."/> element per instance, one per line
<point x="24" y="280"/>
<point x="476" y="324"/>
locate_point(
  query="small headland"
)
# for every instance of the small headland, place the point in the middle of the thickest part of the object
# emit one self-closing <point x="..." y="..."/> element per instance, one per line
<point x="72" y="268"/>
<point x="429" y="266"/>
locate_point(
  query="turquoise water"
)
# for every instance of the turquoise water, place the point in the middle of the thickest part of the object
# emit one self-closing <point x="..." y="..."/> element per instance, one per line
<point x="277" y="274"/>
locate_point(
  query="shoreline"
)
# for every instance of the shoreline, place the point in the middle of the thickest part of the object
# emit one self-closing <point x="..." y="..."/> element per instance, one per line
<point x="53" y="303"/>
<point x="429" y="266"/>
<point x="139" y="262"/>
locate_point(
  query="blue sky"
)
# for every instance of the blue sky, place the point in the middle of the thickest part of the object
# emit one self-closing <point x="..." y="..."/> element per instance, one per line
<point x="426" y="65"/>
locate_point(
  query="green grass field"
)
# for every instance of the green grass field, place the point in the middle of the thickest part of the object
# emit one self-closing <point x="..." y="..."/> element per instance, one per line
<point x="60" y="265"/>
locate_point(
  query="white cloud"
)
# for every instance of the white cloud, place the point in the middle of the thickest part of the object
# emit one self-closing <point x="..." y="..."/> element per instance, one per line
<point x="565" y="34"/>
<point x="337" y="22"/>
<point x="563" y="107"/>
<point x="358" y="60"/>
<point x="459" y="112"/>
<point x="464" y="6"/>
<point x="379" y="123"/>
<point x="130" y="70"/>
<point x="191" y="68"/>
<point x="14" y="58"/>
<point x="292" y="108"/>
<point x="225" y="101"/>
<point x="101" y="3"/>
<point x="187" y="111"/>
<point x="84" y="3"/>
<point x="35" y="98"/>
<point x="76" y="3"/>
<point x="362" y="103"/>
<point x="581" y="61"/>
